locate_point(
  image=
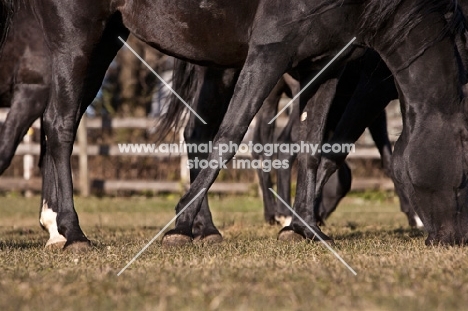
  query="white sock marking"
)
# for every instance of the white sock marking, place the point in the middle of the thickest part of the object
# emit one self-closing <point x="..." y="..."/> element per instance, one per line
<point x="419" y="223"/>
<point x="48" y="219"/>
<point x="284" y="221"/>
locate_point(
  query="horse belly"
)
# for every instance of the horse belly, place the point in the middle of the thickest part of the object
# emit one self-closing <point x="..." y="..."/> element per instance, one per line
<point x="205" y="31"/>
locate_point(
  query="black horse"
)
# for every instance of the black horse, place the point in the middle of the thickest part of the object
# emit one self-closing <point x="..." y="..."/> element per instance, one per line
<point x="266" y="39"/>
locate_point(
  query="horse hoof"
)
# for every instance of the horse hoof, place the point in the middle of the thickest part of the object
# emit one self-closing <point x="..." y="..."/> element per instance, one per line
<point x="78" y="247"/>
<point x="56" y="243"/>
<point x="176" y="240"/>
<point x="54" y="246"/>
<point x="209" y="239"/>
<point x="288" y="235"/>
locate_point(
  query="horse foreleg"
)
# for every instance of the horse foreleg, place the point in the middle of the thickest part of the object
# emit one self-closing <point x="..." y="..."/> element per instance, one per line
<point x="211" y="102"/>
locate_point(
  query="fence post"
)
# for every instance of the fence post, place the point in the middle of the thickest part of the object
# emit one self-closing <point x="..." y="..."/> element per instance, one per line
<point x="28" y="161"/>
<point x="184" y="171"/>
<point x="83" y="157"/>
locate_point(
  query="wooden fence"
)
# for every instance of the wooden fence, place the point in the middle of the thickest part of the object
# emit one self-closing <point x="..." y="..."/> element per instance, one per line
<point x="82" y="149"/>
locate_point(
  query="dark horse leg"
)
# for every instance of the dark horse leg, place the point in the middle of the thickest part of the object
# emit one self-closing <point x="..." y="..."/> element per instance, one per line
<point x="313" y="122"/>
<point x="264" y="134"/>
<point x="211" y="101"/>
<point x="81" y="56"/>
<point x="334" y="190"/>
<point x="289" y="134"/>
<point x="364" y="82"/>
<point x="364" y="90"/>
<point x="28" y="104"/>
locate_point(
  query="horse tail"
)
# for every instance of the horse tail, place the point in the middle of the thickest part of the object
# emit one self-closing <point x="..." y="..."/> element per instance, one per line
<point x="184" y="84"/>
<point x="6" y="16"/>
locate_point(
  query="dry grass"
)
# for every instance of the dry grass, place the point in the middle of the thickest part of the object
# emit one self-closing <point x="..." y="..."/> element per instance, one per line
<point x="249" y="271"/>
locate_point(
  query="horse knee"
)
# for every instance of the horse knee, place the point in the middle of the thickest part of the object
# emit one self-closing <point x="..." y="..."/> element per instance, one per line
<point x="59" y="128"/>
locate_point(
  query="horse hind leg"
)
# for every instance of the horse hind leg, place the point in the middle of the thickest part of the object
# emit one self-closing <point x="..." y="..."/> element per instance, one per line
<point x="29" y="102"/>
<point x="263" y="134"/>
<point x="212" y="99"/>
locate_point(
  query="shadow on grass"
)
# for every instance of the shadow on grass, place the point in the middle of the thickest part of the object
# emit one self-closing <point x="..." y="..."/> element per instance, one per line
<point x="399" y="233"/>
<point x="21" y="238"/>
<point x="20" y="245"/>
<point x="411" y="232"/>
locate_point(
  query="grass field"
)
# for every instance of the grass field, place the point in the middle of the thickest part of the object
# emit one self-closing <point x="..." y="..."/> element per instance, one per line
<point x="250" y="270"/>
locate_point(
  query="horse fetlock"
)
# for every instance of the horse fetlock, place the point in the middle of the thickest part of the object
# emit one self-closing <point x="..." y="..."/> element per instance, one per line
<point x="283" y="220"/>
<point x="48" y="220"/>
